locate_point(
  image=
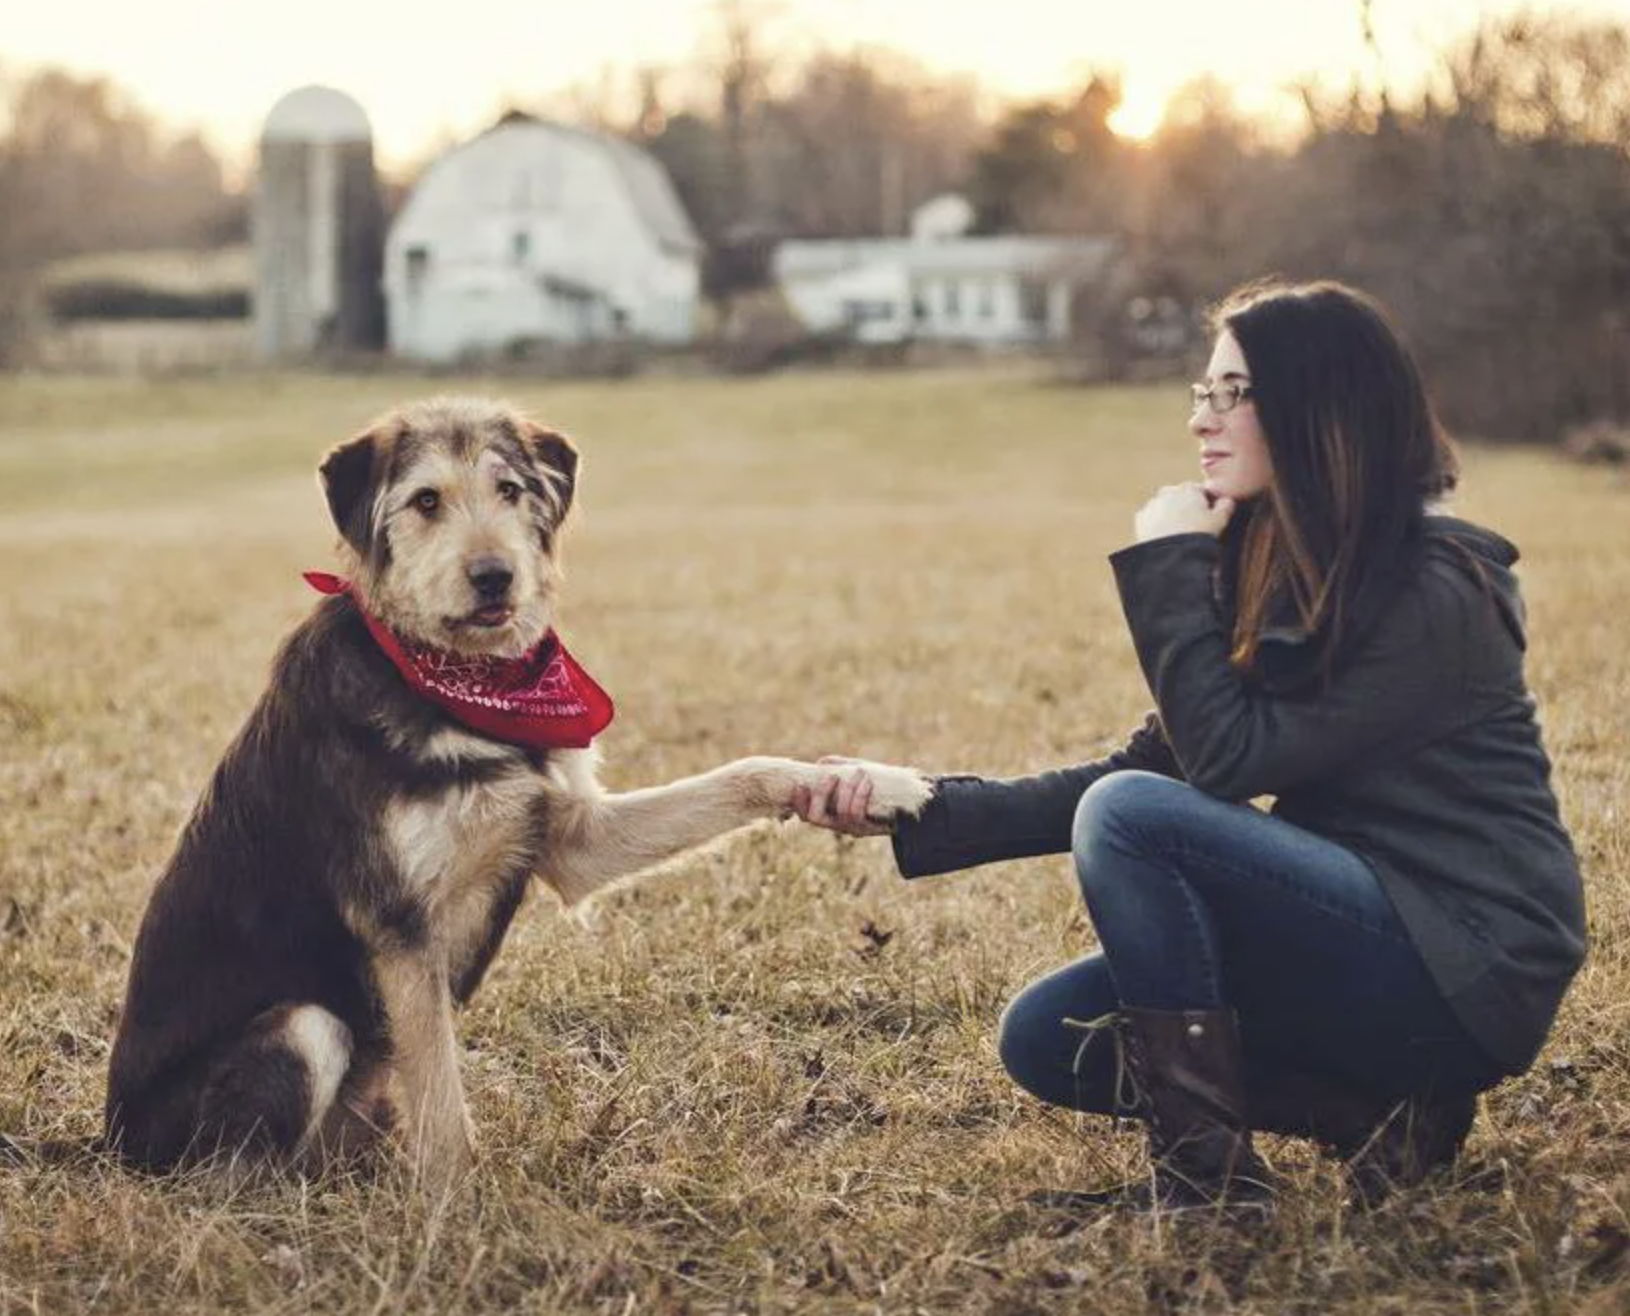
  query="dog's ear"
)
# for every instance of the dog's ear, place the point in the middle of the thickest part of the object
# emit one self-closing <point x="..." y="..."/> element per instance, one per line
<point x="554" y="451"/>
<point x="348" y="484"/>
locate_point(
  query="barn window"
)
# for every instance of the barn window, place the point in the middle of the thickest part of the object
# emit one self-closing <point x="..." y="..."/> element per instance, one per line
<point x="417" y="266"/>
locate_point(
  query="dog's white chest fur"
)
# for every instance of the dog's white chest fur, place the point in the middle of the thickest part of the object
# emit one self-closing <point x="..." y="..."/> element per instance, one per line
<point x="444" y="844"/>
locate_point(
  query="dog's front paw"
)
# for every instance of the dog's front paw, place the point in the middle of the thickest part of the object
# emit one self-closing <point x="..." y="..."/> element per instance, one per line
<point x="442" y="1164"/>
<point x="896" y="792"/>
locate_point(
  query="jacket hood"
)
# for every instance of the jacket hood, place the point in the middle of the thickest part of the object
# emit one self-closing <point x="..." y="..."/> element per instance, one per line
<point x="1487" y="545"/>
<point x="1486" y="559"/>
<point x="1286" y="658"/>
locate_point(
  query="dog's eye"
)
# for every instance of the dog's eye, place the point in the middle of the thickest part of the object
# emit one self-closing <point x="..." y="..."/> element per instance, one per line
<point x="427" y="501"/>
<point x="509" y="491"/>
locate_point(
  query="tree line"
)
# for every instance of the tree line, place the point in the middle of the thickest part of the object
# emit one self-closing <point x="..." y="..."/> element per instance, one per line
<point x="1490" y="208"/>
<point x="84" y="169"/>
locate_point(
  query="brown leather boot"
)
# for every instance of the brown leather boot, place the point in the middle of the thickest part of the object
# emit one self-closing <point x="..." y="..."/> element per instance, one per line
<point x="1191" y="1071"/>
<point x="1387" y="1143"/>
<point x="1418" y="1136"/>
<point x="1189" y="1074"/>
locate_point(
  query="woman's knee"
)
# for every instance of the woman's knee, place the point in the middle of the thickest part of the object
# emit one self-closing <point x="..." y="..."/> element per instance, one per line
<point x="1039" y="1039"/>
<point x="1027" y="1040"/>
<point x="1119" y="801"/>
<point x="1115" y="811"/>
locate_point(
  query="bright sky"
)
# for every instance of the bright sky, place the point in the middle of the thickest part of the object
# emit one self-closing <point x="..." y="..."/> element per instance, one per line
<point x="429" y="71"/>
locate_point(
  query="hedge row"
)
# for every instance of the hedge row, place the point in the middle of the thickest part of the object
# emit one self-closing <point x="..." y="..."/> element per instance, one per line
<point x="113" y="299"/>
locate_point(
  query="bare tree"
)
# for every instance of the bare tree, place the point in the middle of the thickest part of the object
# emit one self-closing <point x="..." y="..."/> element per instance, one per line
<point x="100" y="174"/>
<point x="1492" y="213"/>
<point x="743" y="72"/>
<point x="1544" y="76"/>
<point x="859" y="140"/>
<point x="83" y="169"/>
<point x="1056" y="165"/>
<point x="20" y="261"/>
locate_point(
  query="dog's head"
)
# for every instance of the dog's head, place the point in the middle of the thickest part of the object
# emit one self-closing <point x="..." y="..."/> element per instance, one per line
<point x="452" y="509"/>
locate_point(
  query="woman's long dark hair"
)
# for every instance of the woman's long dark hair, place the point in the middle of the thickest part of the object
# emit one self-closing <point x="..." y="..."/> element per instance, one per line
<point x="1356" y="454"/>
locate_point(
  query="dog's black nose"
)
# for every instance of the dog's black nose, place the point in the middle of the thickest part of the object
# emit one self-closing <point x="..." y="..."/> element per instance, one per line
<point x="491" y="577"/>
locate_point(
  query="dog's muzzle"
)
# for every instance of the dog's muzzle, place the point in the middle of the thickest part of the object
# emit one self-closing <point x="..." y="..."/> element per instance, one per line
<point x="491" y="578"/>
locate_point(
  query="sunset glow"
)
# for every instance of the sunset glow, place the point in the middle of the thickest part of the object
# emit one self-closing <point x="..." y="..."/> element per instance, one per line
<point x="1138" y="116"/>
<point x="427" y="77"/>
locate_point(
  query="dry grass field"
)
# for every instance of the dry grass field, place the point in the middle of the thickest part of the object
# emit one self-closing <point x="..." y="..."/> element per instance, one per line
<point x="764" y="1080"/>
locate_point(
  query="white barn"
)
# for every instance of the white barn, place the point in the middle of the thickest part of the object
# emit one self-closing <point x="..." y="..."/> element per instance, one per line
<point x="939" y="285"/>
<point x="537" y="232"/>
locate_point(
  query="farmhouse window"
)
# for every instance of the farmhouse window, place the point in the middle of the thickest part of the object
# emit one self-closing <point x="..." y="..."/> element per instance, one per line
<point x="1033" y="300"/>
<point x="857" y="311"/>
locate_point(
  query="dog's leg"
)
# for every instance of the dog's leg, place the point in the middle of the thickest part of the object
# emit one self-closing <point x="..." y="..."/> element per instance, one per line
<point x="424" y="1053"/>
<point x="266" y="1095"/>
<point x="361" y="1116"/>
<point x="473" y="926"/>
<point x="598" y="838"/>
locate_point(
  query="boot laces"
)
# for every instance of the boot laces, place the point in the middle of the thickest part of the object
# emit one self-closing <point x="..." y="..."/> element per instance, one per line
<point x="1129" y="1092"/>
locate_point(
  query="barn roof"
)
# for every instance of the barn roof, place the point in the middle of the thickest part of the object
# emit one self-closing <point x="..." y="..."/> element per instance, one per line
<point x="648" y="184"/>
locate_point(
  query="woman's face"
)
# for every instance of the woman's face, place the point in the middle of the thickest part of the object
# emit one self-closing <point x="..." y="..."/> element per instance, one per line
<point x="1234" y="461"/>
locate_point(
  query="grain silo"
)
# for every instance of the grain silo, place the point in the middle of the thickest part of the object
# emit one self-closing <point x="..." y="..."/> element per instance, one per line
<point x="318" y="229"/>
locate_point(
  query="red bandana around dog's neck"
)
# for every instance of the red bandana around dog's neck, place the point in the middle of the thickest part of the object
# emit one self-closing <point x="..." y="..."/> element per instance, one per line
<point x="542" y="700"/>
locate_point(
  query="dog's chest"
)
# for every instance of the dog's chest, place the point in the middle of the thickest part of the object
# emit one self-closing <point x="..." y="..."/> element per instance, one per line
<point x="464" y="838"/>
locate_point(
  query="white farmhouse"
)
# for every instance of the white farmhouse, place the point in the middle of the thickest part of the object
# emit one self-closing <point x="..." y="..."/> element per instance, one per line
<point x="537" y="232"/>
<point x="940" y="285"/>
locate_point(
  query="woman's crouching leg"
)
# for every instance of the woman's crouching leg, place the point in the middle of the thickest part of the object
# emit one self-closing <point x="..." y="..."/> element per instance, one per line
<point x="1057" y="1040"/>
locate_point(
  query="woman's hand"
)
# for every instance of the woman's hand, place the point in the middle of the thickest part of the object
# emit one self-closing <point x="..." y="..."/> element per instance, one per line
<point x="1182" y="509"/>
<point x="839" y="803"/>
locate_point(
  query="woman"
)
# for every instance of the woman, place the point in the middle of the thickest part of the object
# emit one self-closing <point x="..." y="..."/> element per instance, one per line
<point x="1396" y="934"/>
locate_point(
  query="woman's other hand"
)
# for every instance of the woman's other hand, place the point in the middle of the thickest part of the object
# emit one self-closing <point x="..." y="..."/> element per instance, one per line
<point x="1182" y="509"/>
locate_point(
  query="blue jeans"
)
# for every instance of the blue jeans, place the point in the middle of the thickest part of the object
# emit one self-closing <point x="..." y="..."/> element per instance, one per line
<point x="1200" y="904"/>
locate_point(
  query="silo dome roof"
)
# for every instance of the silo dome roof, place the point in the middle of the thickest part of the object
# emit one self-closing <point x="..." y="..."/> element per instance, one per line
<point x="316" y="114"/>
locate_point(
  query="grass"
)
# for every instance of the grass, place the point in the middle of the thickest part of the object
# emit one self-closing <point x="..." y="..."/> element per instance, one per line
<point x="716" y="1092"/>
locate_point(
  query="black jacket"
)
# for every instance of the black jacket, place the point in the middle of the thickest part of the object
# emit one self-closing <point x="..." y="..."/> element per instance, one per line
<point x="1422" y="754"/>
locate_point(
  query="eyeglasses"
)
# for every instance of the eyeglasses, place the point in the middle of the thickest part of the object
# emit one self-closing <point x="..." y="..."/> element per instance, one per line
<point x="1222" y="397"/>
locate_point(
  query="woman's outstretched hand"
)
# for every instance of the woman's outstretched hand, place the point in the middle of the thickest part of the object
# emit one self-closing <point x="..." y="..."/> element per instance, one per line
<point x="840" y="802"/>
<point x="1182" y="509"/>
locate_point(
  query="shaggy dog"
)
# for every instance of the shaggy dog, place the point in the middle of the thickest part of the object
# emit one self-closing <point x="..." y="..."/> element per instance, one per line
<point x="354" y="863"/>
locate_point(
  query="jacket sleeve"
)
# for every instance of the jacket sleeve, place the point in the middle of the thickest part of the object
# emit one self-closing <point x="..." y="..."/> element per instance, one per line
<point x="1235" y="739"/>
<point x="979" y="820"/>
